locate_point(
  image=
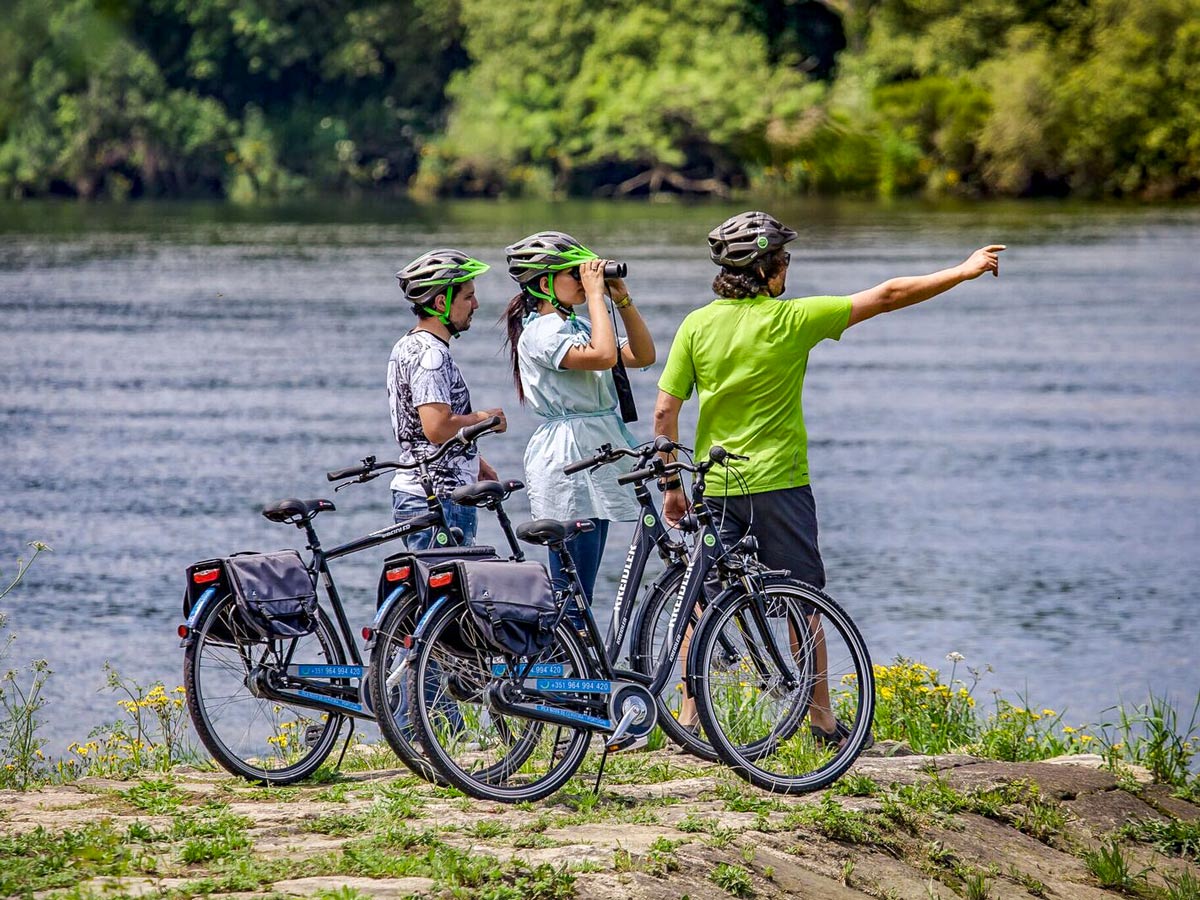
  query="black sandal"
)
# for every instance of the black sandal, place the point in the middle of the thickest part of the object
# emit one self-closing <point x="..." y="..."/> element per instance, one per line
<point x="839" y="735"/>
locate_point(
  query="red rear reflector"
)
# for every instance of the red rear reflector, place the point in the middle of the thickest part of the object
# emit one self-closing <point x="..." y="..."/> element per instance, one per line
<point x="204" y="576"/>
<point x="183" y="631"/>
<point x="441" y="580"/>
<point x="408" y="642"/>
<point x="398" y="574"/>
<point x="368" y="632"/>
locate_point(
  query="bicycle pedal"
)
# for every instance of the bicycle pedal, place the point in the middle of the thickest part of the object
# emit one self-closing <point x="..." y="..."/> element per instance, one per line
<point x="312" y="734"/>
<point x="629" y="743"/>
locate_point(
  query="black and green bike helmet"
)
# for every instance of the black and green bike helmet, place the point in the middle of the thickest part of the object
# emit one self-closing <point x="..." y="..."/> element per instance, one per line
<point x="544" y="253"/>
<point x="436" y="272"/>
<point x="743" y="239"/>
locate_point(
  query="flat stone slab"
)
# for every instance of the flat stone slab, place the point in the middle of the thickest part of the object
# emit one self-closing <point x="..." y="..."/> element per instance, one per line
<point x="380" y="888"/>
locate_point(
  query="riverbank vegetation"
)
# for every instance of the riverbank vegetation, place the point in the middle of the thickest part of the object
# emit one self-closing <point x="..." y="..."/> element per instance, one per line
<point x="236" y="99"/>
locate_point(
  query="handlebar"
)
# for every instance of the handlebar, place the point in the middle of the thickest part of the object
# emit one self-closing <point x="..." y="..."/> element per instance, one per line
<point x="468" y="434"/>
<point x="717" y="455"/>
<point x="639" y="475"/>
<point x="609" y="454"/>
<point x="372" y="469"/>
<point x="353" y="471"/>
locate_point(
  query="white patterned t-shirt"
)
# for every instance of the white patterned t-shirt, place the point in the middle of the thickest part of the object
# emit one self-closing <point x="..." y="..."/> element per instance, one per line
<point x="422" y="371"/>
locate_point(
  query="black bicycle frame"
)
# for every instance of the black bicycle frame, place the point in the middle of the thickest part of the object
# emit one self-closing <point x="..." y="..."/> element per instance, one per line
<point x="649" y="535"/>
<point x="348" y="703"/>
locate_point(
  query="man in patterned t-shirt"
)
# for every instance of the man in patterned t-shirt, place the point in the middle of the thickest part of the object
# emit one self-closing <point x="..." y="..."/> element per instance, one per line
<point x="429" y="400"/>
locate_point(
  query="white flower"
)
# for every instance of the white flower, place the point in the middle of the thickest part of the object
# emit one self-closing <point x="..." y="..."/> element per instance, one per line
<point x="954" y="656"/>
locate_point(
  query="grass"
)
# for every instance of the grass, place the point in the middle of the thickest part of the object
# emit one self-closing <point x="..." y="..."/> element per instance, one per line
<point x="738" y="796"/>
<point x="1184" y="886"/>
<point x="976" y="886"/>
<point x="154" y="796"/>
<point x="734" y="880"/>
<point x="855" y="784"/>
<point x="1171" y="838"/>
<point x="661" y="860"/>
<point x="1035" y="887"/>
<point x="210" y="832"/>
<point x="837" y="823"/>
<point x="1154" y="736"/>
<point x="1111" y="868"/>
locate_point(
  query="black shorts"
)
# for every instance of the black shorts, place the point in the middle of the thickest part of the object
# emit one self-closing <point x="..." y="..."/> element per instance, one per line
<point x="785" y="524"/>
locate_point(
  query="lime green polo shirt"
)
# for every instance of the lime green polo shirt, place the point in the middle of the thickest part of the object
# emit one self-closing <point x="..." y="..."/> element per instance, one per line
<point x="747" y="359"/>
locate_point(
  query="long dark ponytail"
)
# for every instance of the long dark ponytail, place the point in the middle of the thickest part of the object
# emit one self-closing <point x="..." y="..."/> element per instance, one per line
<point x="514" y="323"/>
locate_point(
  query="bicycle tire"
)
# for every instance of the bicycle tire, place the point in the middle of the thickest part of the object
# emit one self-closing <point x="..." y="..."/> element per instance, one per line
<point x="256" y="738"/>
<point x="392" y="714"/>
<point x="504" y="759"/>
<point x="649" y="643"/>
<point x="756" y="726"/>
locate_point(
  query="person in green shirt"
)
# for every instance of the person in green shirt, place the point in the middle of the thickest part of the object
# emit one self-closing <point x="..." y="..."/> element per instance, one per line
<point x="745" y="355"/>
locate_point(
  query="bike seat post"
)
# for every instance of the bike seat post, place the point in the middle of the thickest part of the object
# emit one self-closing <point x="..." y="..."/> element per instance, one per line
<point x="518" y="554"/>
<point x="314" y="542"/>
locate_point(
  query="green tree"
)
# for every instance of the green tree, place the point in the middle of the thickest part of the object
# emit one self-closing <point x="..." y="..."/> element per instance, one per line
<point x="86" y="111"/>
<point x="565" y="95"/>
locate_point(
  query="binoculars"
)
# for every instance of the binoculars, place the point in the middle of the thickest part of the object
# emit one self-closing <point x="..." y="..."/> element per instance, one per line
<point x="615" y="269"/>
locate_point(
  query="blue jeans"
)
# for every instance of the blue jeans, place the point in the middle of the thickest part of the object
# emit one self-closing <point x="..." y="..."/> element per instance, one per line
<point x="405" y="506"/>
<point x="586" y="550"/>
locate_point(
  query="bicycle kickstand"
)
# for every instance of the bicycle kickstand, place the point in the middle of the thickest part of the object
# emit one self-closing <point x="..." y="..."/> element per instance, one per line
<point x="345" y="746"/>
<point x="600" y="773"/>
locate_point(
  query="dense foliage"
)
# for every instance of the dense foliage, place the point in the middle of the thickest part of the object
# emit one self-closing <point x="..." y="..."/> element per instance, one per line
<point x="250" y="98"/>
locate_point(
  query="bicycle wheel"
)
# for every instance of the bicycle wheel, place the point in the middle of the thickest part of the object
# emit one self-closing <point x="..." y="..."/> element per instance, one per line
<point x="389" y="673"/>
<point x="490" y="756"/>
<point x="261" y="740"/>
<point x="756" y="714"/>
<point x="651" y="642"/>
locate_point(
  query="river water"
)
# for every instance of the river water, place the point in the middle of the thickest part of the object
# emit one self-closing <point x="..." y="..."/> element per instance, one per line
<point x="1008" y="471"/>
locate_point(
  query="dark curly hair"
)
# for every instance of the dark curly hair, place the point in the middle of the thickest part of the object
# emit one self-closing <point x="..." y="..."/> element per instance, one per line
<point x="749" y="281"/>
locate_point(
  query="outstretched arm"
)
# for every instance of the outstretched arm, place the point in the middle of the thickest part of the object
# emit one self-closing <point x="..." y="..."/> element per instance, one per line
<point x="897" y="293"/>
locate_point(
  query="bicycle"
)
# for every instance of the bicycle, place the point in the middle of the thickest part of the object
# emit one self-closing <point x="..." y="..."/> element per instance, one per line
<point x="270" y="707"/>
<point x="403" y="594"/>
<point x="534" y="715"/>
<point x="654" y="616"/>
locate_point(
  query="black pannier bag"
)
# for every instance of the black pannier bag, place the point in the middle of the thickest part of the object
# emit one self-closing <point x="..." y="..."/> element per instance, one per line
<point x="275" y="593"/>
<point x="512" y="604"/>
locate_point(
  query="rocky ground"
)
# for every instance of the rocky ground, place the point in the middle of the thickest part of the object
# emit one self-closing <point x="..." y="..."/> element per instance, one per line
<point x="663" y="826"/>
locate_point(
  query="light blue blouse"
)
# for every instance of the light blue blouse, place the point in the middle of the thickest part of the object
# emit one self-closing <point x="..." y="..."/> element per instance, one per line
<point x="578" y="412"/>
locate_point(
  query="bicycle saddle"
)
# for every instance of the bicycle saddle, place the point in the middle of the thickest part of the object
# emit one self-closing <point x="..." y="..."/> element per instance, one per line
<point x="295" y="511"/>
<point x="552" y="531"/>
<point x="484" y="493"/>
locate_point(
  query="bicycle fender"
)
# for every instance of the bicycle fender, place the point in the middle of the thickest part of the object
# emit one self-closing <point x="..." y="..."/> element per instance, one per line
<point x="423" y="623"/>
<point x="197" y="609"/>
<point x="380" y="613"/>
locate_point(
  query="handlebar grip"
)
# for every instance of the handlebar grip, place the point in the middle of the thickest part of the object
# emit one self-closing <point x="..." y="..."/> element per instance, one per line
<point x="635" y="476"/>
<point x="664" y="444"/>
<point x="352" y="472"/>
<point x="473" y="431"/>
<point x="580" y="464"/>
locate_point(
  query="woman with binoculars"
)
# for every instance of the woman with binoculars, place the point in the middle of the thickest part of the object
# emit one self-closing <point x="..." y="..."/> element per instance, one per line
<point x="563" y="369"/>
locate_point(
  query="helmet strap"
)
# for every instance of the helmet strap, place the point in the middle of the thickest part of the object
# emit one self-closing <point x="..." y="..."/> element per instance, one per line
<point x="550" y="297"/>
<point x="444" y="315"/>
